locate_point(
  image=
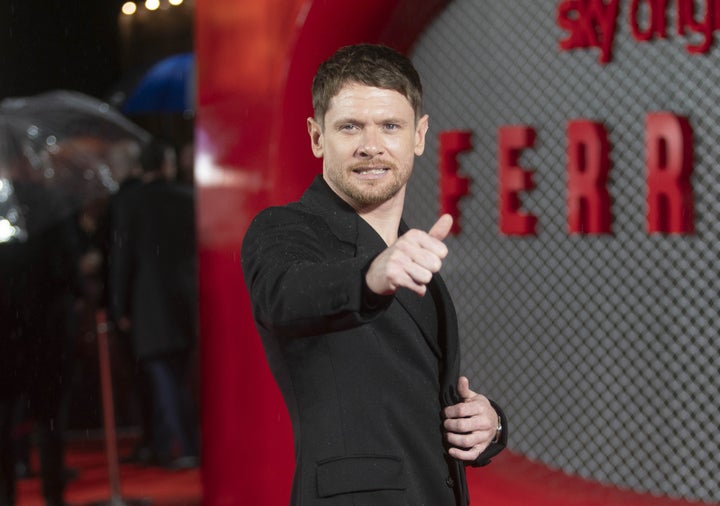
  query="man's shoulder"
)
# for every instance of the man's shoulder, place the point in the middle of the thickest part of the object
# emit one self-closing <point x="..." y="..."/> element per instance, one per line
<point x="281" y="222"/>
<point x="278" y="215"/>
<point x="316" y="213"/>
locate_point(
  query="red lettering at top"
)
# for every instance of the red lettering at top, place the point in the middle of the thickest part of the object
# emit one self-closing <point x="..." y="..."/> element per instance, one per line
<point x="704" y="26"/>
<point x="657" y="19"/>
<point x="590" y="23"/>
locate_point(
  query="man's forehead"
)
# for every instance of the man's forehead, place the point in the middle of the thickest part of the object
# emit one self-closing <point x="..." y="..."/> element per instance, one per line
<point x="365" y="95"/>
<point x="356" y="87"/>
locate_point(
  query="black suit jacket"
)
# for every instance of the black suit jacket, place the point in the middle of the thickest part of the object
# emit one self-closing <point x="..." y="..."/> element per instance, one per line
<point x="364" y="377"/>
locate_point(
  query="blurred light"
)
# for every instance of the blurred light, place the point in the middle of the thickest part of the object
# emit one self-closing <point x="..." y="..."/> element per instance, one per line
<point x="152" y="5"/>
<point x="6" y="190"/>
<point x="129" y="8"/>
<point x="175" y="2"/>
<point x="7" y="230"/>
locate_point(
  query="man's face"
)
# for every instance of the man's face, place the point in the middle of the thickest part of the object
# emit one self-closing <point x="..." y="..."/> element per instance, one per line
<point x="368" y="144"/>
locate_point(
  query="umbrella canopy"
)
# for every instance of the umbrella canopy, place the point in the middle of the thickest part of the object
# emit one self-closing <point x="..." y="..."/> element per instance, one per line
<point x="168" y="87"/>
<point x="58" y="151"/>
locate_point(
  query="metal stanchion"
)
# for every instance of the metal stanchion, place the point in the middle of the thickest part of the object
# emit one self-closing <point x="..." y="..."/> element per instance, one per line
<point x="111" y="451"/>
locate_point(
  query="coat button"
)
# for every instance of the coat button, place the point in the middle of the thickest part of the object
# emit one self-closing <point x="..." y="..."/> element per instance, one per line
<point x="450" y="482"/>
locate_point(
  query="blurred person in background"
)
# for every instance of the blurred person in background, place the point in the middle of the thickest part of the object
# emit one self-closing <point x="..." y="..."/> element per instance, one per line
<point x="136" y="396"/>
<point x="37" y="276"/>
<point x="153" y="297"/>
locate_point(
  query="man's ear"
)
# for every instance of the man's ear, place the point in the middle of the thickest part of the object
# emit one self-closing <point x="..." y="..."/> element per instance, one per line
<point x="420" y="130"/>
<point x="316" y="137"/>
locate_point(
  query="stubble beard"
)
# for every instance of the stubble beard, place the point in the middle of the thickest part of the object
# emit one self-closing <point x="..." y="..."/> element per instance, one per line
<point x="371" y="192"/>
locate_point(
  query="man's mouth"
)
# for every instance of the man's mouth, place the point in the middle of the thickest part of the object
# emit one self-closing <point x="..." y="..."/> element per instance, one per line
<point x="370" y="171"/>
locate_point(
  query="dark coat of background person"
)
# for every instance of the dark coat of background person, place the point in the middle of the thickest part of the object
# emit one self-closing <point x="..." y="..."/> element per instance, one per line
<point x="37" y="279"/>
<point x="360" y="377"/>
<point x="153" y="296"/>
<point x="153" y="271"/>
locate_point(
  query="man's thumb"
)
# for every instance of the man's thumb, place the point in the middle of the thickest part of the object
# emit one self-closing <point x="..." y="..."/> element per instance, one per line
<point x="441" y="228"/>
<point x="463" y="388"/>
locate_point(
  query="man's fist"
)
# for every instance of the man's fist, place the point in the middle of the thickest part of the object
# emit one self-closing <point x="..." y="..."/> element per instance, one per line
<point x="410" y="261"/>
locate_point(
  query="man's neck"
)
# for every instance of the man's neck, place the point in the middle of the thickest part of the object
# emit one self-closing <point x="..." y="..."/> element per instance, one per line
<point x="385" y="219"/>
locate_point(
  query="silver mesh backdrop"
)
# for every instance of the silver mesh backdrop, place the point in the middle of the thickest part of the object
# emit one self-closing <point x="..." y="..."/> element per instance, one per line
<point x="602" y="349"/>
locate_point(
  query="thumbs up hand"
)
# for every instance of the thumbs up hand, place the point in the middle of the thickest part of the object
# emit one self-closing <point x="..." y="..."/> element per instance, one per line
<point x="410" y="261"/>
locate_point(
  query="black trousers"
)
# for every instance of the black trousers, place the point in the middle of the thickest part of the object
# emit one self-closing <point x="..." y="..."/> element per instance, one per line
<point x="31" y="377"/>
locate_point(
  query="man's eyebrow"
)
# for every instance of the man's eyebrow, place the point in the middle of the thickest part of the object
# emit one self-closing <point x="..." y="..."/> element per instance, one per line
<point x="398" y="121"/>
<point x="346" y="120"/>
<point x="354" y="121"/>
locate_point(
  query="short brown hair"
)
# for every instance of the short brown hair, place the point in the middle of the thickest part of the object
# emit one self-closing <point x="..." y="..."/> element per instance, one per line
<point x="368" y="64"/>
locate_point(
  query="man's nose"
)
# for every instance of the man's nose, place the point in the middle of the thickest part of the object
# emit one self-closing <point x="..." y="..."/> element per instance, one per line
<point x="371" y="144"/>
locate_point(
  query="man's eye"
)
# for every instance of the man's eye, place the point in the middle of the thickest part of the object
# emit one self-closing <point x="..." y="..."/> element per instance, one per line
<point x="391" y="126"/>
<point x="348" y="126"/>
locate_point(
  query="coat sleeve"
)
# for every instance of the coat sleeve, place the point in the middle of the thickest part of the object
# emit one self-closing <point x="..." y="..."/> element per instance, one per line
<point x="302" y="280"/>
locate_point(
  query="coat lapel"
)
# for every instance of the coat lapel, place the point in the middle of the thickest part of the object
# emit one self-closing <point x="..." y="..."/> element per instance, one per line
<point x="339" y="216"/>
<point x="410" y="302"/>
<point x="448" y="336"/>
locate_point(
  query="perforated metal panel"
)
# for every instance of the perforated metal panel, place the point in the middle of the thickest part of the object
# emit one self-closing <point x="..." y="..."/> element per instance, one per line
<point x="603" y="349"/>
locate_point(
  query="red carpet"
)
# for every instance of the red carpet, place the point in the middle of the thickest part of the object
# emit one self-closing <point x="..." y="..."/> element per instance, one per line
<point x="159" y="487"/>
<point x="513" y="480"/>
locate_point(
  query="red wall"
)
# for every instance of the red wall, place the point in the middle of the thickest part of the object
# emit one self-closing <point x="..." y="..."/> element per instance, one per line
<point x="247" y="440"/>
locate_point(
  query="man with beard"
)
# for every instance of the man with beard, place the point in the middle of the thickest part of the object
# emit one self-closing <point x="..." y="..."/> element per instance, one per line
<point x="358" y="327"/>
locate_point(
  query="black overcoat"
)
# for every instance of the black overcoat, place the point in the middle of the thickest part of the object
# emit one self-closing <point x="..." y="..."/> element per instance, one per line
<point x="364" y="377"/>
<point x="153" y="266"/>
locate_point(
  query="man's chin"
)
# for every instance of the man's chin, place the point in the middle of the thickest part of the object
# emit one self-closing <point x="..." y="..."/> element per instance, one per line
<point x="374" y="196"/>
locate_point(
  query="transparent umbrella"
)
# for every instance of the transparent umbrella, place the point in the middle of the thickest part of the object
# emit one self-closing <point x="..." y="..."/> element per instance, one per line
<point x="58" y="151"/>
